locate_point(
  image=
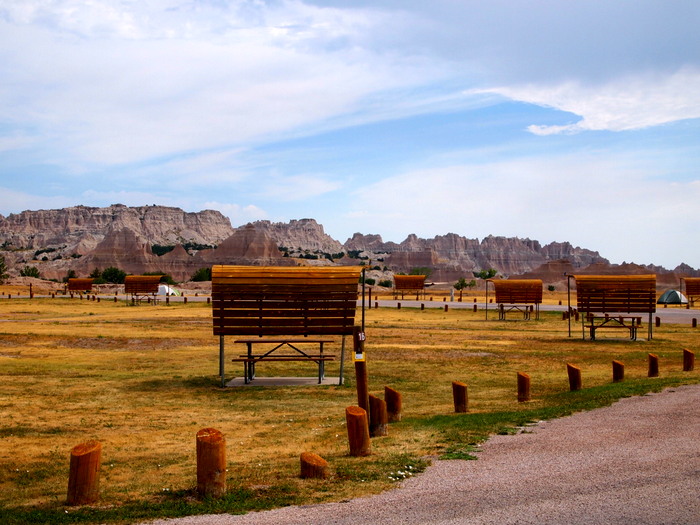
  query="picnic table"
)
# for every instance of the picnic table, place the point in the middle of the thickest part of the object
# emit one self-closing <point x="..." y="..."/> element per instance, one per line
<point x="608" y="301"/>
<point x="285" y="309"/>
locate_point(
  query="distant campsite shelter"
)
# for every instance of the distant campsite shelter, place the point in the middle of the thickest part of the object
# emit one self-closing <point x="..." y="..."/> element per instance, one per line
<point x="79" y="285"/>
<point x="692" y="289"/>
<point x="409" y="283"/>
<point x="520" y="295"/>
<point x="142" y="287"/>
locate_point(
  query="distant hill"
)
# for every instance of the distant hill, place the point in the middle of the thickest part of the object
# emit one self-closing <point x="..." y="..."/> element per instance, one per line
<point x="159" y="238"/>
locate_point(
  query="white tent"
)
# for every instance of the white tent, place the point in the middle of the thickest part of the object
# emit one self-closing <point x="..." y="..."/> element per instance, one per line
<point x="164" y="289"/>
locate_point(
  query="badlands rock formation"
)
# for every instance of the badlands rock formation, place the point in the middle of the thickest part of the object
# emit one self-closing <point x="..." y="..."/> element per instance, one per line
<point x="83" y="238"/>
<point x="79" y="229"/>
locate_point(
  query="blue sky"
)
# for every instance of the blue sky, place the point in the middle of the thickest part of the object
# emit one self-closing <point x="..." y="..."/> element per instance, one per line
<point x="558" y="121"/>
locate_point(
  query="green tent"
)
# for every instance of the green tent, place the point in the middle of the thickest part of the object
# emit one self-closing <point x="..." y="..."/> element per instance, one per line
<point x="672" y="297"/>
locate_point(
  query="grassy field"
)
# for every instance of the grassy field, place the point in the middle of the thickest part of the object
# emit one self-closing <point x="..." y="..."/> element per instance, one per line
<point x="143" y="380"/>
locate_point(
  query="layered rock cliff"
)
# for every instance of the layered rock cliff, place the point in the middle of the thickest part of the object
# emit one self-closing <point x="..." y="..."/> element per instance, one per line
<point x="79" y="229"/>
<point x="83" y="238"/>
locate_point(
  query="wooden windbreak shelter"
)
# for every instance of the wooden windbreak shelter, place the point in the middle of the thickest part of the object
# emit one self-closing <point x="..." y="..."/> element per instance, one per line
<point x="142" y="287"/>
<point x="283" y="306"/>
<point x="692" y="289"/>
<point x="521" y="295"/>
<point x="409" y="283"/>
<point x="79" y="284"/>
<point x="613" y="301"/>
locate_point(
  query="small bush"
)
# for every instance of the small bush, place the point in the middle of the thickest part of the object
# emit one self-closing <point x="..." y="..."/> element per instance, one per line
<point x="113" y="275"/>
<point x="386" y="283"/>
<point x="30" y="271"/>
<point x="203" y="274"/>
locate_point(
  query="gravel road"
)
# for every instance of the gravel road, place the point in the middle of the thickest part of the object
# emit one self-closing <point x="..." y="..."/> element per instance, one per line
<point x="635" y="462"/>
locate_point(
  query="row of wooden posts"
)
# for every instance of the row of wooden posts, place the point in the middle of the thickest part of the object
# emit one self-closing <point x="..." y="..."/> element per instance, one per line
<point x="369" y="419"/>
<point x="96" y="298"/>
<point x="461" y="398"/>
<point x="85" y="460"/>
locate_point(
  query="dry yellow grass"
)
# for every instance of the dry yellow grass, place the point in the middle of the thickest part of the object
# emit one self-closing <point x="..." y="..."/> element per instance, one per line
<point x="143" y="380"/>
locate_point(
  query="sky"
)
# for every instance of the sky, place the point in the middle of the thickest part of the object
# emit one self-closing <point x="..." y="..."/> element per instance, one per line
<point x="572" y="121"/>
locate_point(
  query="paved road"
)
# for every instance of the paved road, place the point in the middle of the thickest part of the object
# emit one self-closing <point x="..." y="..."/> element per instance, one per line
<point x="636" y="462"/>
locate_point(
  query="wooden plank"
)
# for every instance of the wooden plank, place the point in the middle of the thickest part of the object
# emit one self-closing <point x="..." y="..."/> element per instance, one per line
<point x="76" y="284"/>
<point x="285" y="330"/>
<point x="409" y="282"/>
<point x="141" y="284"/>
<point x="287" y="301"/>
<point x="616" y="293"/>
<point x="692" y="286"/>
<point x="518" y="291"/>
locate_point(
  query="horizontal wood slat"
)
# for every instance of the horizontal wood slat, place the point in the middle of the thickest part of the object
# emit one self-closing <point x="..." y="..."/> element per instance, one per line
<point x="283" y="330"/>
<point x="515" y="291"/>
<point x="79" y="284"/>
<point x="141" y="284"/>
<point x="267" y="301"/>
<point x="692" y="286"/>
<point x="616" y="293"/>
<point x="409" y="282"/>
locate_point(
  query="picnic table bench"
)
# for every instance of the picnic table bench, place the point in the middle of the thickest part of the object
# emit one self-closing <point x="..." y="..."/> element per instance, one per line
<point x="283" y="308"/>
<point x="142" y="287"/>
<point x="608" y="301"/>
<point x="409" y="283"/>
<point x="692" y="289"/>
<point x="521" y="295"/>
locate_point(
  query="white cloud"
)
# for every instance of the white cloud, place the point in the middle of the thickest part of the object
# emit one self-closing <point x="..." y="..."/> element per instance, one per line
<point x="12" y="201"/>
<point x="237" y="214"/>
<point x="296" y="187"/>
<point x="610" y="203"/>
<point x="628" y="103"/>
<point x="117" y="86"/>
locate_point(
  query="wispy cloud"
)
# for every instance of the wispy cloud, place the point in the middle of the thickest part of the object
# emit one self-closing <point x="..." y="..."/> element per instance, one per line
<point x="628" y="103"/>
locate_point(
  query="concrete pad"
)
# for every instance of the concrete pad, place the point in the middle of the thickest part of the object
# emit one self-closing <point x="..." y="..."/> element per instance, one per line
<point x="282" y="381"/>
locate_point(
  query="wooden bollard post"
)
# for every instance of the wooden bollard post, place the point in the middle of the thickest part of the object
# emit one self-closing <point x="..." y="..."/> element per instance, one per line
<point x="184" y="299"/>
<point x="378" y="418"/>
<point x="167" y="300"/>
<point x="358" y="431"/>
<point x="422" y="306"/>
<point x="460" y="397"/>
<point x="688" y="360"/>
<point x="694" y="323"/>
<point x="658" y="321"/>
<point x="358" y="342"/>
<point x="208" y="300"/>
<point x="394" y="404"/>
<point x="115" y="298"/>
<point x="313" y="466"/>
<point x="84" y="477"/>
<point x="398" y="306"/>
<point x="475" y="308"/>
<point x="211" y="463"/>
<point x="653" y="366"/>
<point x="618" y="369"/>
<point x="574" y="377"/>
<point x="376" y="304"/>
<point x="446" y="307"/>
<point x="523" y="387"/>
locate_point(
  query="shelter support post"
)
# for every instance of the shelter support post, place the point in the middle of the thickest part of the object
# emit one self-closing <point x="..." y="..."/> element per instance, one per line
<point x="221" y="361"/>
<point x="342" y="361"/>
